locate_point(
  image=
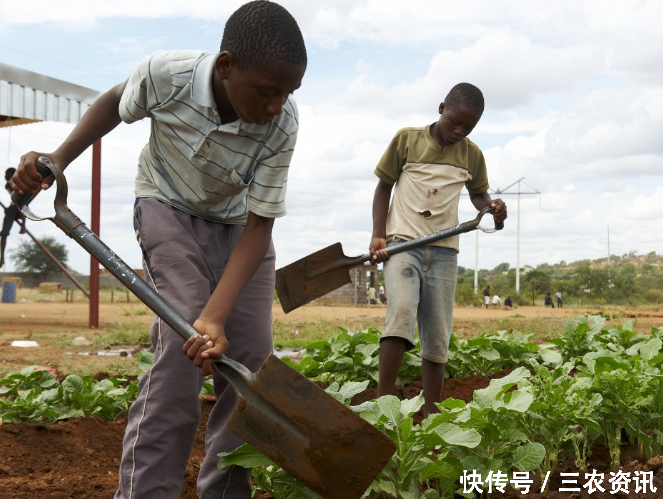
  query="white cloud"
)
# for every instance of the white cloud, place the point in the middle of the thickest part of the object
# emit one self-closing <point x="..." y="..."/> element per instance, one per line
<point x="574" y="106"/>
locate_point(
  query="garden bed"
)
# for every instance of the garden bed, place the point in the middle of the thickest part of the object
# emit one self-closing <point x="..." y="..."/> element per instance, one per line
<point x="79" y="458"/>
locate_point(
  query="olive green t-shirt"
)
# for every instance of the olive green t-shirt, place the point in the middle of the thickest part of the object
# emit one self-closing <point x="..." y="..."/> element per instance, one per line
<point x="428" y="181"/>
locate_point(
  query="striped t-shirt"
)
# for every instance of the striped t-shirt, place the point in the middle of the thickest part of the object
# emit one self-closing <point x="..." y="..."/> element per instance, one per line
<point x="428" y="181"/>
<point x="192" y="161"/>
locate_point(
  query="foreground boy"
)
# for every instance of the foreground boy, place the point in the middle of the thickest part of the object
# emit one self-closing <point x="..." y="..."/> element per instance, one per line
<point x="210" y="183"/>
<point x="428" y="166"/>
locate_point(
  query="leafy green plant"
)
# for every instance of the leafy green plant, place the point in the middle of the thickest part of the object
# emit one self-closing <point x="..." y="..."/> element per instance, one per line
<point x="489" y="353"/>
<point x="560" y="417"/>
<point x="495" y="413"/>
<point x="351" y="357"/>
<point x="83" y="396"/>
<point x="422" y="457"/>
<point x="627" y="389"/>
<point x="578" y="336"/>
<point x="28" y="396"/>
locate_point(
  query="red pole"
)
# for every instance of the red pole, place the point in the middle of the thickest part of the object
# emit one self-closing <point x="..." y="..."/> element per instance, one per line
<point x="95" y="216"/>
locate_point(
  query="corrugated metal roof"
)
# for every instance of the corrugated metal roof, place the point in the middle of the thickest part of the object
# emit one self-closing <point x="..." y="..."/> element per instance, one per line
<point x="26" y="97"/>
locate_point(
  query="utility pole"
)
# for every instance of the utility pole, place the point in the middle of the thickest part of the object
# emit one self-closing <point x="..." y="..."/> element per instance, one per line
<point x="609" y="263"/>
<point x="502" y="192"/>
<point x="476" y="263"/>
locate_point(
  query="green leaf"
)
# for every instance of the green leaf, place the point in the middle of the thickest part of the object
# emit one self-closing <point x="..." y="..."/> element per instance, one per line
<point x="519" y="401"/>
<point x="245" y="456"/>
<point x="390" y="406"/>
<point x="455" y="435"/>
<point x="411" y="406"/>
<point x="145" y="360"/>
<point x="650" y="349"/>
<point x="528" y="457"/>
<point x="550" y="356"/>
<point x="489" y="353"/>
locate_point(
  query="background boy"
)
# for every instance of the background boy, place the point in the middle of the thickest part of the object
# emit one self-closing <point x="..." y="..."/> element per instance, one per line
<point x="210" y="182"/>
<point x="428" y="166"/>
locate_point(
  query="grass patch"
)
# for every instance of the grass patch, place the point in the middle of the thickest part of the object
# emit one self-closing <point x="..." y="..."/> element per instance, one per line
<point x="541" y="327"/>
<point x="134" y="334"/>
<point x="299" y="334"/>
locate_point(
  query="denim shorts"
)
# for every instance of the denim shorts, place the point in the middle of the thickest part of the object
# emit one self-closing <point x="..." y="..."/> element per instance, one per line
<point x="421" y="285"/>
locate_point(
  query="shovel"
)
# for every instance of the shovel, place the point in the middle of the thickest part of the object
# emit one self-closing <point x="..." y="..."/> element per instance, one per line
<point x="324" y="271"/>
<point x="288" y="418"/>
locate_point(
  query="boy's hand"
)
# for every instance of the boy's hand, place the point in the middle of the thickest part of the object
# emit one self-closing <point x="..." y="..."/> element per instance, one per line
<point x="27" y="179"/>
<point x="499" y="210"/>
<point x="205" y="348"/>
<point x="375" y="249"/>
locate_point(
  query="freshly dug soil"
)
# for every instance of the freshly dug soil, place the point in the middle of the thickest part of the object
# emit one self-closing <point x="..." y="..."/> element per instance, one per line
<point x="79" y="459"/>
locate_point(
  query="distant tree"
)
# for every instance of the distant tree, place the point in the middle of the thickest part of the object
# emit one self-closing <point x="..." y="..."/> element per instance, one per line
<point x="28" y="257"/>
<point x="502" y="267"/>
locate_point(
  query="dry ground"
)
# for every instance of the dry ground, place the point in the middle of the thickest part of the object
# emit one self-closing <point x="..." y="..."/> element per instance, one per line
<point x="53" y="324"/>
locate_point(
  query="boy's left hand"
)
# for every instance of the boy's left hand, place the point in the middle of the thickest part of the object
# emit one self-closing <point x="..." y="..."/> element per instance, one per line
<point x="204" y="348"/>
<point x="499" y="210"/>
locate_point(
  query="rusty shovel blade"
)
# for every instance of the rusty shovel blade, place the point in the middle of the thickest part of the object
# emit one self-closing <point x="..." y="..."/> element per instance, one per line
<point x="307" y="432"/>
<point x="313" y="276"/>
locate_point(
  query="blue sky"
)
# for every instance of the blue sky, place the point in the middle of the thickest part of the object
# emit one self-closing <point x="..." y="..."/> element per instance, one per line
<point x="574" y="93"/>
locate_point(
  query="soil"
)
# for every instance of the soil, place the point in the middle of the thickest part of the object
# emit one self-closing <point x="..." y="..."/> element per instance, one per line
<point x="79" y="459"/>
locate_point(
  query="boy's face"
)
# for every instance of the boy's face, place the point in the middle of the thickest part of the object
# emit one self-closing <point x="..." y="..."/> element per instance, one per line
<point x="255" y="96"/>
<point x="457" y="122"/>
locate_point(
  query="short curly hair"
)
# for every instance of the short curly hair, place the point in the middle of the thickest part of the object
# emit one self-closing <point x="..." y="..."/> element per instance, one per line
<point x="262" y="33"/>
<point x="467" y="95"/>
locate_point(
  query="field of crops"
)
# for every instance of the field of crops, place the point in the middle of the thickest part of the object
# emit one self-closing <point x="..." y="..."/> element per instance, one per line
<point x="573" y="413"/>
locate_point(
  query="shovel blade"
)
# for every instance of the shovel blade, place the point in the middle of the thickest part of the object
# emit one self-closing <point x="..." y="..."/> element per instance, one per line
<point x="313" y="276"/>
<point x="308" y="433"/>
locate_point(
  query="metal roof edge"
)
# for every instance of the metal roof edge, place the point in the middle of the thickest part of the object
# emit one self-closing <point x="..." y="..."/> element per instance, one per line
<point x="37" y="81"/>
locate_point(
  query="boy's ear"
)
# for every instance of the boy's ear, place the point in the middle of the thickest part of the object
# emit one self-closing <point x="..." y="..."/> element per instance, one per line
<point x="441" y="108"/>
<point x="224" y="64"/>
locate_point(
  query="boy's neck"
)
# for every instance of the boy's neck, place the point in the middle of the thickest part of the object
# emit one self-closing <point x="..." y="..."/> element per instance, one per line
<point x="224" y="108"/>
<point x="435" y="134"/>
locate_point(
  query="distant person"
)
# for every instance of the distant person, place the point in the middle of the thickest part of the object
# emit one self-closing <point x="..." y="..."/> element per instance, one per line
<point x="496" y="301"/>
<point x="371" y="296"/>
<point x="486" y="297"/>
<point x="559" y="299"/>
<point x="548" y="301"/>
<point x="12" y="214"/>
<point x="437" y="158"/>
<point x="508" y="304"/>
<point x="381" y="296"/>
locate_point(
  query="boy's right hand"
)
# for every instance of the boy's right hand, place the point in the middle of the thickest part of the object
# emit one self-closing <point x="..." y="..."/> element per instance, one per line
<point x="27" y="179"/>
<point x="375" y="249"/>
<point x="203" y="349"/>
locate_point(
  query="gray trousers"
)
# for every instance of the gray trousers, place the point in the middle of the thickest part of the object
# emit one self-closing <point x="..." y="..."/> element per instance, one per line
<point x="184" y="258"/>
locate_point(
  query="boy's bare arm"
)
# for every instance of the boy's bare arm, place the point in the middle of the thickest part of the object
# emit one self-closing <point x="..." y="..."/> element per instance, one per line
<point x="102" y="117"/>
<point x="482" y="200"/>
<point x="381" y="200"/>
<point x="244" y="260"/>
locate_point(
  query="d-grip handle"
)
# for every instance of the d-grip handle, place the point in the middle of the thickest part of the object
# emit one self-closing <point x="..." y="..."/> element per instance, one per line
<point x="22" y="200"/>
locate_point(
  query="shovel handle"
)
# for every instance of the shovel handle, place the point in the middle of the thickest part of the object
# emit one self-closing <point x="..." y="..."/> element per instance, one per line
<point x="22" y="200"/>
<point x="442" y="234"/>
